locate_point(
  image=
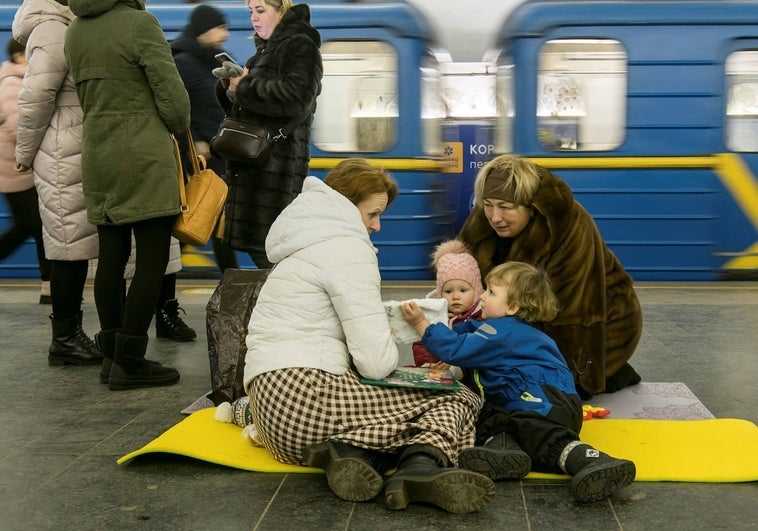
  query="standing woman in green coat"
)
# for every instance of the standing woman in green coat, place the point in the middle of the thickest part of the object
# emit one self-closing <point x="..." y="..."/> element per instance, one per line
<point x="133" y="100"/>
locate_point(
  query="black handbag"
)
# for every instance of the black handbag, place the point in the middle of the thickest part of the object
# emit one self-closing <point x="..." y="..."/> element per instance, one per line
<point x="243" y="141"/>
<point x="249" y="142"/>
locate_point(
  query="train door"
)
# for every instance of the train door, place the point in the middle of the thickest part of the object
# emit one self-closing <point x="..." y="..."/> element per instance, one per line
<point x="628" y="103"/>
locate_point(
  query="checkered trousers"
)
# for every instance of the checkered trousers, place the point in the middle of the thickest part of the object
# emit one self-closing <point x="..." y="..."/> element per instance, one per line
<point x="297" y="407"/>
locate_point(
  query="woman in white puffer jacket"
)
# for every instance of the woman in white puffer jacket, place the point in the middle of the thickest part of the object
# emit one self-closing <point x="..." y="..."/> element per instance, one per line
<point x="49" y="139"/>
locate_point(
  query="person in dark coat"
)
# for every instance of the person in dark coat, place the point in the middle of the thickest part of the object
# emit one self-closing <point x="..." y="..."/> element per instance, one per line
<point x="194" y="52"/>
<point x="525" y="213"/>
<point x="280" y="82"/>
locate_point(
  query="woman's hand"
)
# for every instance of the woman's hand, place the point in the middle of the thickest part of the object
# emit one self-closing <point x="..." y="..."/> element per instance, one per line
<point x="203" y="148"/>
<point x="228" y="71"/>
<point x="234" y="81"/>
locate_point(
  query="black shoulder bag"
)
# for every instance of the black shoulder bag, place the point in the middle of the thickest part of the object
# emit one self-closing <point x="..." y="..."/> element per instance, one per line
<point x="249" y="142"/>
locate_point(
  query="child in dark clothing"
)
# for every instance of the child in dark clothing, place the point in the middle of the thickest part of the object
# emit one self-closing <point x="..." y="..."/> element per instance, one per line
<point x="459" y="282"/>
<point x="532" y="408"/>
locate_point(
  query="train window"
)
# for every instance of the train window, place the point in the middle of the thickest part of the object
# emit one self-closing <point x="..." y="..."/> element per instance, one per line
<point x="581" y="94"/>
<point x="742" y="101"/>
<point x="357" y="109"/>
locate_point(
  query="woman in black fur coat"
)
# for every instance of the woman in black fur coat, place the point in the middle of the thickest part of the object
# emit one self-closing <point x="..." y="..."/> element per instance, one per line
<point x="281" y="81"/>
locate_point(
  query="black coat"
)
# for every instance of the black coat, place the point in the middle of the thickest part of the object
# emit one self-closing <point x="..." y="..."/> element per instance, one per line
<point x="195" y="64"/>
<point x="284" y="80"/>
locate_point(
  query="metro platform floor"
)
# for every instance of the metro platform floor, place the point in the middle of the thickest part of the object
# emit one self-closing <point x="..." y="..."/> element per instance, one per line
<point x="61" y="432"/>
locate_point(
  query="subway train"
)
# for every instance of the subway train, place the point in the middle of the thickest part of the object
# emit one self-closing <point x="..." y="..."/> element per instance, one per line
<point x="649" y="110"/>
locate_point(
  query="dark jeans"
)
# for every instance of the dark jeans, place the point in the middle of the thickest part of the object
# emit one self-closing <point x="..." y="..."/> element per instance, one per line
<point x="24" y="210"/>
<point x="152" y="237"/>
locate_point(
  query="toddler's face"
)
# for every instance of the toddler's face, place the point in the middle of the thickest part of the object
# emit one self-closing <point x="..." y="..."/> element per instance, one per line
<point x="495" y="303"/>
<point x="459" y="295"/>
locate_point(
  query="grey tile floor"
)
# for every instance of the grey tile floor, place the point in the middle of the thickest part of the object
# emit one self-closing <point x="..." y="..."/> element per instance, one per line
<point x="61" y="432"/>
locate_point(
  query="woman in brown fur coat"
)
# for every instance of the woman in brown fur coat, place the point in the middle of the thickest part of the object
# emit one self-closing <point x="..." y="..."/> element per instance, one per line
<point x="525" y="213"/>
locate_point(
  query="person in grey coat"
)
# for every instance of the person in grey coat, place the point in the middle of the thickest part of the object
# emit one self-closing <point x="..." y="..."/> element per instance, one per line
<point x="279" y="83"/>
<point x="48" y="140"/>
<point x="133" y="101"/>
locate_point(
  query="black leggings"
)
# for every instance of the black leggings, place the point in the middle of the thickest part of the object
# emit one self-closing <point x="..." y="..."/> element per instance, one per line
<point x="152" y="237"/>
<point x="67" y="278"/>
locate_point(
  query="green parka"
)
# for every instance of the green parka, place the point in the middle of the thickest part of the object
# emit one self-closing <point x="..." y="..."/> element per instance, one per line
<point x="133" y="100"/>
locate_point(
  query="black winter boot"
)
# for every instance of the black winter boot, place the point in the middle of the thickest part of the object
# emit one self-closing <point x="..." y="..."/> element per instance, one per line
<point x="169" y="325"/>
<point x="130" y="369"/>
<point x="71" y="344"/>
<point x="106" y="342"/>
<point x="423" y="476"/>
<point x="350" y="470"/>
<point x="596" y="475"/>
<point x="499" y="458"/>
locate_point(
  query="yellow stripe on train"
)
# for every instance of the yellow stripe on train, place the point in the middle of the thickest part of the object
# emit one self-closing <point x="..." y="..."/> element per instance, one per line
<point x="420" y="164"/>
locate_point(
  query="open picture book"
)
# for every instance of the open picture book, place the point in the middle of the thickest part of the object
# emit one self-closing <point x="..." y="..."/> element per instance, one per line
<point x="418" y="377"/>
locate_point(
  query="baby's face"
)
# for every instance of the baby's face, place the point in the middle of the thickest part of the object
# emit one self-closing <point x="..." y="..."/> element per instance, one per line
<point x="459" y="295"/>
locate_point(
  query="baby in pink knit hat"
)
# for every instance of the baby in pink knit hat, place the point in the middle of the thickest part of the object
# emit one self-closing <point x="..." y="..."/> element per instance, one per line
<point x="459" y="282"/>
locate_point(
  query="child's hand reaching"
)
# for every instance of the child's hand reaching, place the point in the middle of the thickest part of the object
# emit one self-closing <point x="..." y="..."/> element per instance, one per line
<point x="414" y="316"/>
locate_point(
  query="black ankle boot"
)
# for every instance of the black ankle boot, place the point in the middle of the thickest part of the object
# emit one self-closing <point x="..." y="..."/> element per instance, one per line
<point x="624" y="377"/>
<point x="71" y="344"/>
<point x="596" y="475"/>
<point x="423" y="476"/>
<point x="349" y="470"/>
<point x="499" y="458"/>
<point x="130" y="369"/>
<point x="169" y="325"/>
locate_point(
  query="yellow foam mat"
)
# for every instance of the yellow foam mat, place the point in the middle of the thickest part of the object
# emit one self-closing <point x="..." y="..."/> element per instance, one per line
<point x="714" y="450"/>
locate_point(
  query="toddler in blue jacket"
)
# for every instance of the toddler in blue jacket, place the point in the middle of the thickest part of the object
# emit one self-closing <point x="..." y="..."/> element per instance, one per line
<point x="532" y="414"/>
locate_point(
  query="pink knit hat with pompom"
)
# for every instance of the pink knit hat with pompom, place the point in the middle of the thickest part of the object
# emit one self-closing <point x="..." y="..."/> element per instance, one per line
<point x="453" y="261"/>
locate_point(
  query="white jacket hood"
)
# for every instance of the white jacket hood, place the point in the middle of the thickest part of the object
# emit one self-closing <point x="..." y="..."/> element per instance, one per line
<point x="316" y="215"/>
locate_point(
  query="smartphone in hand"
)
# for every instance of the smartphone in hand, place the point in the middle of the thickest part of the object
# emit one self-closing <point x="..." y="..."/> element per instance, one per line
<point x="223" y="56"/>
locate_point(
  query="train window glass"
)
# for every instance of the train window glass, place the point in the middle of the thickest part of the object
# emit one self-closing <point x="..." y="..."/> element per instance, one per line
<point x="432" y="108"/>
<point x="506" y="113"/>
<point x="581" y="94"/>
<point x="357" y="109"/>
<point x="742" y="101"/>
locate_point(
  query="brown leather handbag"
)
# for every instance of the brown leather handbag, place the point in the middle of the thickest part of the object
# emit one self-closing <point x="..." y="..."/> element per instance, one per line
<point x="202" y="200"/>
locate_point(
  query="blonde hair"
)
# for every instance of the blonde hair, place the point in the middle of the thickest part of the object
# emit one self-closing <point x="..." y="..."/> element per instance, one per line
<point x="508" y="177"/>
<point x="280" y="5"/>
<point x="528" y="287"/>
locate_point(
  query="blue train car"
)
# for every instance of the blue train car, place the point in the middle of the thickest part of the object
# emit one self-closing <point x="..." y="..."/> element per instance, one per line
<point x="379" y="101"/>
<point x="649" y="110"/>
